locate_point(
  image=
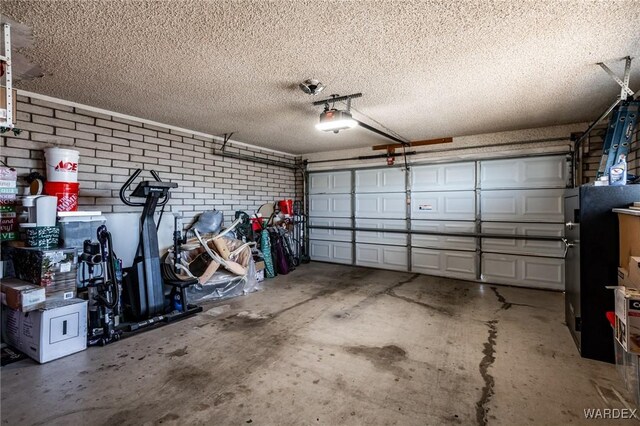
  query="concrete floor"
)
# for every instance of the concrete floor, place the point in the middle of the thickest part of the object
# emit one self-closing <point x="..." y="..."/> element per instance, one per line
<point x="330" y="345"/>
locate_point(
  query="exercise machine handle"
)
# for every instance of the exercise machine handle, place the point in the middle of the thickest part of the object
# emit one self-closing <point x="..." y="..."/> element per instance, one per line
<point x="126" y="186"/>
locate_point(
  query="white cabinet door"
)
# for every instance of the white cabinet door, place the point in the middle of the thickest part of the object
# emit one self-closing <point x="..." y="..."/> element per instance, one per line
<point x="523" y="205"/>
<point x="455" y="205"/>
<point x="454" y="264"/>
<point x="388" y="238"/>
<point x="443" y="177"/>
<point x="330" y="205"/>
<point x="380" y="180"/>
<point x="530" y="247"/>
<point x="330" y="183"/>
<point x="523" y="271"/>
<point x="381" y="206"/>
<point x="383" y="257"/>
<point x="330" y="251"/>
<point x="534" y="172"/>
<point x="443" y="241"/>
<point x="329" y="234"/>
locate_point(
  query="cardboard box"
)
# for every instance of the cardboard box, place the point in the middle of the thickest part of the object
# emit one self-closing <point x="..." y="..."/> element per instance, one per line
<point x="633" y="279"/>
<point x="22" y="296"/>
<point x="629" y="227"/>
<point x="54" y="331"/>
<point x="627" y="326"/>
<point x="260" y="265"/>
<point x="623" y="276"/>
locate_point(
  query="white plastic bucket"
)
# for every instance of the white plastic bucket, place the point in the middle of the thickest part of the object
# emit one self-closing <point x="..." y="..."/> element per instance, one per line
<point x="62" y="164"/>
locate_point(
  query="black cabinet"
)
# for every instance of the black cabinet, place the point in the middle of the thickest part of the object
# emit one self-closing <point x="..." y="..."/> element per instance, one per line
<point x="591" y="230"/>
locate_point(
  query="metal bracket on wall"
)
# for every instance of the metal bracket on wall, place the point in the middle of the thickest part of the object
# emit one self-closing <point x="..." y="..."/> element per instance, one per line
<point x="225" y="139"/>
<point x="625" y="90"/>
<point x="5" y="63"/>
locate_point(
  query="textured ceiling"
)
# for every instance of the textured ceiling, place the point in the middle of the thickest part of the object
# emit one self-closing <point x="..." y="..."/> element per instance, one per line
<point x="427" y="69"/>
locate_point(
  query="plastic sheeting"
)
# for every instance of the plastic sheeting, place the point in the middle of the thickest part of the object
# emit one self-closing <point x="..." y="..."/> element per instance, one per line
<point x="224" y="285"/>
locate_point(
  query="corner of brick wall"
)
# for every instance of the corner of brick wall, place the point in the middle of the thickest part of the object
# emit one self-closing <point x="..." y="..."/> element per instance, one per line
<point x="111" y="148"/>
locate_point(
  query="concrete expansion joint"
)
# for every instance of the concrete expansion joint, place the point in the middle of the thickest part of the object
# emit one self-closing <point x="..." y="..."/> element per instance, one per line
<point x="489" y="352"/>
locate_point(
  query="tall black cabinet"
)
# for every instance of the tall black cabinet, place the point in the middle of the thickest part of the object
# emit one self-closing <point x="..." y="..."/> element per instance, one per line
<point x="591" y="230"/>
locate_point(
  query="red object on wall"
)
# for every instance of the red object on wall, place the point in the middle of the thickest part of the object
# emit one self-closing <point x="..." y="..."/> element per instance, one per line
<point x="286" y="207"/>
<point x="67" y="193"/>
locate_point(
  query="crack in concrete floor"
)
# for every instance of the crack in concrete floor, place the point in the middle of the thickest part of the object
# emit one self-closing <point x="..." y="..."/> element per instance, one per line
<point x="489" y="351"/>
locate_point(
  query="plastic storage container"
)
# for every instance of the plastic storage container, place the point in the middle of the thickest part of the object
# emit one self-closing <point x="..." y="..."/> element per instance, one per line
<point x="628" y="367"/>
<point x="74" y="230"/>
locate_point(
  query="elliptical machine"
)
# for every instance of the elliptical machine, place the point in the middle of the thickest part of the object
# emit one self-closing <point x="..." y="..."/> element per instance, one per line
<point x="147" y="297"/>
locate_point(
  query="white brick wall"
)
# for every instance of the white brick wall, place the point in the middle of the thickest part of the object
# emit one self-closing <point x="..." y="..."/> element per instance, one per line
<point x="111" y="148"/>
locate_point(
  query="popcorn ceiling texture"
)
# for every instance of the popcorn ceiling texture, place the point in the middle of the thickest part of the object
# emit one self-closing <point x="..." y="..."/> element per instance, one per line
<point x="427" y="68"/>
<point x="111" y="148"/>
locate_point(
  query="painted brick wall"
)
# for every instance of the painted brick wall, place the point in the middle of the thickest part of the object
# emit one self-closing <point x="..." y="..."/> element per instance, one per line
<point x="592" y="153"/>
<point x="111" y="148"/>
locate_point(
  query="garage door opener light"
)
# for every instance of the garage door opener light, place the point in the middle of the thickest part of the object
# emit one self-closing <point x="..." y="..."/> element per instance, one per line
<point x="333" y="119"/>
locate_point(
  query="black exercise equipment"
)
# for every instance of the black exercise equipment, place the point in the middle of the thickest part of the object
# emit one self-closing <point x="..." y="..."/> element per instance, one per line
<point x="145" y="299"/>
<point x="102" y="288"/>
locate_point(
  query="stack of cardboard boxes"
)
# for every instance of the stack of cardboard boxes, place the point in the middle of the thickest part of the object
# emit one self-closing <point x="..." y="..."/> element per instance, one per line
<point x="627" y="300"/>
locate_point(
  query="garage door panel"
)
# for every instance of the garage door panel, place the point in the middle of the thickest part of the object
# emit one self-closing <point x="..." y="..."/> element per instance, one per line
<point x="443" y="177"/>
<point x="330" y="251"/>
<point x="381" y="206"/>
<point x="455" y="205"/>
<point x="529" y="247"/>
<point x="380" y="180"/>
<point x="330" y="183"/>
<point x="425" y="261"/>
<point x="523" y="271"/>
<point x="534" y="172"/>
<point x="447" y="263"/>
<point x="330" y="205"/>
<point x="443" y="241"/>
<point x="388" y="238"/>
<point x="543" y="271"/>
<point x="545" y="172"/>
<point x="329" y="234"/>
<point x="523" y="205"/>
<point x="379" y="256"/>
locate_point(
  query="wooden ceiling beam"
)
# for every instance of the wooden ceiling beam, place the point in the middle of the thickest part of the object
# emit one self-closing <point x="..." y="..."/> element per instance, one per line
<point x="414" y="143"/>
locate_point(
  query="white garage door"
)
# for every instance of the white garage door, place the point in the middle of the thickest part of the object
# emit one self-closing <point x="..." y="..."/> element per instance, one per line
<point x="381" y="203"/>
<point x="523" y="197"/>
<point x="330" y="206"/>
<point x="432" y="204"/>
<point x="443" y="199"/>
